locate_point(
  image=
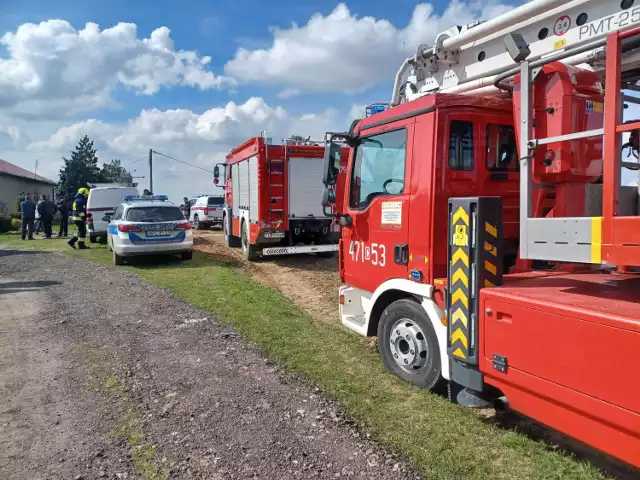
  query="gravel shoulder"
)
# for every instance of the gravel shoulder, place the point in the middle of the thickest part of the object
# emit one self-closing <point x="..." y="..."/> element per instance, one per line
<point x="105" y="376"/>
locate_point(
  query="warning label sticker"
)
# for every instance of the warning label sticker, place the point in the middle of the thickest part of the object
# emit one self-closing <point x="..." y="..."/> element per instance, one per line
<point x="391" y="213"/>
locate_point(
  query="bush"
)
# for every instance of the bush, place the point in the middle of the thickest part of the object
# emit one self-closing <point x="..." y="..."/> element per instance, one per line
<point x="15" y="224"/>
<point x="5" y="223"/>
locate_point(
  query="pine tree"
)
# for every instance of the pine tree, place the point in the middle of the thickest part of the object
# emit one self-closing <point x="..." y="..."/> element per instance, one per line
<point x="80" y="170"/>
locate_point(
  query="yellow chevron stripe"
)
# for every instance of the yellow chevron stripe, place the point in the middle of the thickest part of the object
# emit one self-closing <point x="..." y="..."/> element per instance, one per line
<point x="596" y="240"/>
<point x="461" y="296"/>
<point x="491" y="230"/>
<point x="458" y="353"/>
<point x="490" y="267"/>
<point x="487" y="283"/>
<point x="460" y="254"/>
<point x="460" y="276"/>
<point x="459" y="316"/>
<point x="461" y="215"/>
<point x="459" y="335"/>
<point x="491" y="249"/>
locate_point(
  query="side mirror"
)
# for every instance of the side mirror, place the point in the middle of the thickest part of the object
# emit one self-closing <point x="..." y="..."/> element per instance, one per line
<point x="106" y="218"/>
<point x="216" y="173"/>
<point x="332" y="158"/>
<point x="328" y="197"/>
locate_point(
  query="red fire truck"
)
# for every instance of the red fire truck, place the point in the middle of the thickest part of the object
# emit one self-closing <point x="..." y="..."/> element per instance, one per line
<point x="271" y="199"/>
<point x="486" y="238"/>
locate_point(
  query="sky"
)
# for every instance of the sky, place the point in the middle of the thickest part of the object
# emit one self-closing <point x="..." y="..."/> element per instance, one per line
<point x="194" y="78"/>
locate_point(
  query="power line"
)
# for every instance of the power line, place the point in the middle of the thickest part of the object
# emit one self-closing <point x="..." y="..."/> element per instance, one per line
<point x="134" y="161"/>
<point x="181" y="161"/>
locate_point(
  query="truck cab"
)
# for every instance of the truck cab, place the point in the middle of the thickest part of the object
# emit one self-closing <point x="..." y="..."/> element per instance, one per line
<point x="404" y="165"/>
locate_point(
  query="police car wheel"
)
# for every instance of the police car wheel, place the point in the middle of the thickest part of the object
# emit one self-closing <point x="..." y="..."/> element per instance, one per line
<point x="187" y="255"/>
<point x="117" y="259"/>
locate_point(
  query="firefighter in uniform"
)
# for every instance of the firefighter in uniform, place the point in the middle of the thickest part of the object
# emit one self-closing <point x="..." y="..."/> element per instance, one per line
<point x="79" y="213"/>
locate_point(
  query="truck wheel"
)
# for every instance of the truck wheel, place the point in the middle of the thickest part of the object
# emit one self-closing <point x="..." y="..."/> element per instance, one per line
<point x="408" y="344"/>
<point x="230" y="240"/>
<point x="248" y="250"/>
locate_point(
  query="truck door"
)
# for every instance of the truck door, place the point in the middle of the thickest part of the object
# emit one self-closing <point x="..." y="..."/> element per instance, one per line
<point x="375" y="236"/>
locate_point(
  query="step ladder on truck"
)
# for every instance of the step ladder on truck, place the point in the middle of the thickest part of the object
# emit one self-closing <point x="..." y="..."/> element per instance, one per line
<point x="271" y="193"/>
<point x="507" y="138"/>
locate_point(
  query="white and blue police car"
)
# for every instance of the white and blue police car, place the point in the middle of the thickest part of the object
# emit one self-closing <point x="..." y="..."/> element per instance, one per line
<point x="148" y="225"/>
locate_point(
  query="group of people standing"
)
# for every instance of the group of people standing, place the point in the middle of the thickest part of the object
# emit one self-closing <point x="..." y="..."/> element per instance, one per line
<point x="38" y="217"/>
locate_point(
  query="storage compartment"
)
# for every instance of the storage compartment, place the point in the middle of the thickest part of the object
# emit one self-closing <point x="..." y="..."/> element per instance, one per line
<point x="305" y="187"/>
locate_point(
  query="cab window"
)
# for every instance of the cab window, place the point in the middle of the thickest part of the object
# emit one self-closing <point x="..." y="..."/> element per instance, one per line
<point x="461" y="145"/>
<point x="379" y="167"/>
<point x="501" y="155"/>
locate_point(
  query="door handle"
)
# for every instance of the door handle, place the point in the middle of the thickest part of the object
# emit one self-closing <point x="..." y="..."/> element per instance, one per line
<point x="346" y="220"/>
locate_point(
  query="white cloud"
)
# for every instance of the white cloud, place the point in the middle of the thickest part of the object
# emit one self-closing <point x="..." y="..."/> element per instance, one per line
<point x="345" y="53"/>
<point x="53" y="69"/>
<point x="202" y="139"/>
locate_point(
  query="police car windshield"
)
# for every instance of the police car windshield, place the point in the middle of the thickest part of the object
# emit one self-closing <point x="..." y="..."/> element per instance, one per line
<point x="154" y="214"/>
<point x="215" y="201"/>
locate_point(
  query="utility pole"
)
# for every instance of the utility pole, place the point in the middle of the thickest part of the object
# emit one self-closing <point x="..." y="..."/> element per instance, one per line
<point x="151" y="171"/>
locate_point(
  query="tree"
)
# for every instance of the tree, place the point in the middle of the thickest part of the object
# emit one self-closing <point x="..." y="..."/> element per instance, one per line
<point x="114" y="172"/>
<point x="80" y="170"/>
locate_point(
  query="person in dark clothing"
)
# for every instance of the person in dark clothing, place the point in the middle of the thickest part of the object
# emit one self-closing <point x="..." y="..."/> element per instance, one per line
<point x="79" y="215"/>
<point x="47" y="210"/>
<point x="63" y="208"/>
<point x="186" y="210"/>
<point x="28" y="216"/>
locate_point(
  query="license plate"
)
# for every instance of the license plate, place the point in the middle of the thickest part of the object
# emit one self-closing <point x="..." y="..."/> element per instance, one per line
<point x="158" y="233"/>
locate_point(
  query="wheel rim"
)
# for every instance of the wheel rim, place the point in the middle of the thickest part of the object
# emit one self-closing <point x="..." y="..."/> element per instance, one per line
<point x="196" y="221"/>
<point x="408" y="344"/>
<point x="245" y="240"/>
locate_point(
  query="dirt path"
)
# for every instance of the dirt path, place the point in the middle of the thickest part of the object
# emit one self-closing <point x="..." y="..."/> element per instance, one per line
<point x="105" y="376"/>
<point x="310" y="282"/>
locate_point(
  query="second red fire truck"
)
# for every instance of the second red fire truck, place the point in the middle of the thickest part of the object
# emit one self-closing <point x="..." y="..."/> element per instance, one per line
<point x="271" y="199"/>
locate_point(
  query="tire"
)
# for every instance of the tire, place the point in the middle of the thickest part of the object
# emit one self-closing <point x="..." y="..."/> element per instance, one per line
<point x="248" y="250"/>
<point x="187" y="255"/>
<point x="117" y="259"/>
<point x="197" y="224"/>
<point x="230" y="240"/>
<point x="415" y="359"/>
<point x="102" y="240"/>
<point x="93" y="238"/>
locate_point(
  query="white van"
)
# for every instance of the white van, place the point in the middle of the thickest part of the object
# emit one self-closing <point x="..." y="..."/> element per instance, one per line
<point x="104" y="201"/>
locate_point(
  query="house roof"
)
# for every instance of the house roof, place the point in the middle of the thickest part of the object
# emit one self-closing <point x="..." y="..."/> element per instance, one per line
<point x="11" y="169"/>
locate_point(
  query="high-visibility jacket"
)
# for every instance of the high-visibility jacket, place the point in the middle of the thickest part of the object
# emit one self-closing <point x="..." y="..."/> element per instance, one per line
<point x="79" y="209"/>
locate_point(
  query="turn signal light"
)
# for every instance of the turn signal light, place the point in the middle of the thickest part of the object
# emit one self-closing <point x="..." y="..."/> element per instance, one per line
<point x="341" y="299"/>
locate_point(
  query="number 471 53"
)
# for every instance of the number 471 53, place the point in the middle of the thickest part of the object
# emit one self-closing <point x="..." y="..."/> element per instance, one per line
<point x="374" y="253"/>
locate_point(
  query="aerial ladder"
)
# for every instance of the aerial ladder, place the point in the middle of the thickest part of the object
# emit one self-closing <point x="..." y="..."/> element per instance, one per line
<point x="557" y="344"/>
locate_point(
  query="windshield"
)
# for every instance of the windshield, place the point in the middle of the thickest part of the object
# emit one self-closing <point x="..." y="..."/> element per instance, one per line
<point x="215" y="201"/>
<point x="154" y="214"/>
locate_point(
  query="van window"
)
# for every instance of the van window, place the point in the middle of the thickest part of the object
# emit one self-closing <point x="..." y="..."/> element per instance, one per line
<point x="379" y="167"/>
<point x="154" y="214"/>
<point x="461" y="145"/>
<point x="502" y="155"/>
<point x="215" y="201"/>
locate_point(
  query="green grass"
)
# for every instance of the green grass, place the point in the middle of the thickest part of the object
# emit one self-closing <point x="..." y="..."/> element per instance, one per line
<point x="444" y="441"/>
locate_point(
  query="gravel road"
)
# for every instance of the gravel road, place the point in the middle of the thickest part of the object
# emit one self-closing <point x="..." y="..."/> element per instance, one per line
<point x="105" y="376"/>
